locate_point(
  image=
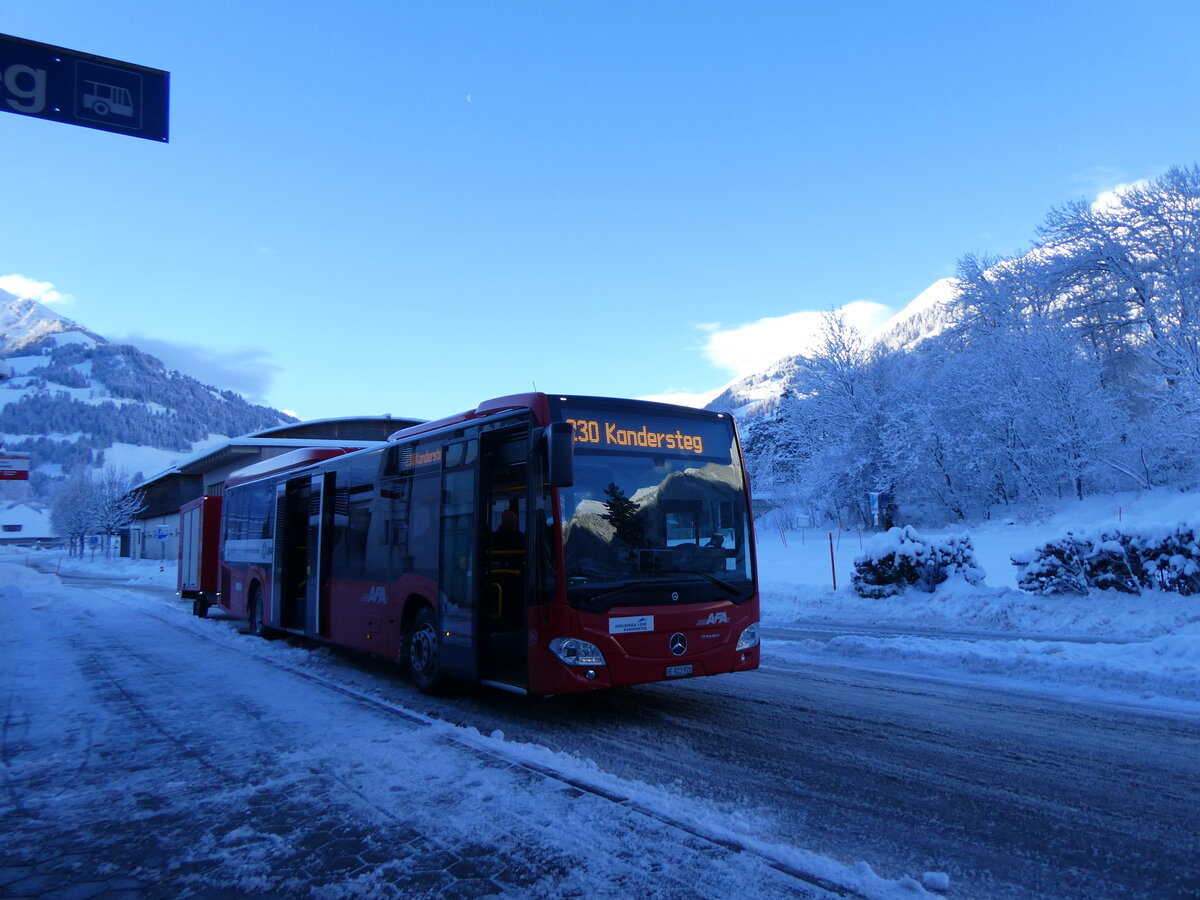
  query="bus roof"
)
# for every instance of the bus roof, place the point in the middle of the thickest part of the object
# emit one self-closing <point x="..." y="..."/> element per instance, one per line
<point x="536" y="403"/>
<point x="539" y="404"/>
<point x="295" y="459"/>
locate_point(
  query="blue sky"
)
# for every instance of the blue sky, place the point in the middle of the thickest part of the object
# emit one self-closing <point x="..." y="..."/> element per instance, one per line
<point x="406" y="208"/>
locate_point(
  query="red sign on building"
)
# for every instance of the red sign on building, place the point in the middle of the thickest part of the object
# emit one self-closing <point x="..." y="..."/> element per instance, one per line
<point x="14" y="466"/>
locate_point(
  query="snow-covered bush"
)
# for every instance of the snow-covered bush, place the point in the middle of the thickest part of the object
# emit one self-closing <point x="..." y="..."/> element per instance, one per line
<point x="1126" y="561"/>
<point x="1172" y="560"/>
<point x="1114" y="564"/>
<point x="901" y="558"/>
<point x="1054" y="568"/>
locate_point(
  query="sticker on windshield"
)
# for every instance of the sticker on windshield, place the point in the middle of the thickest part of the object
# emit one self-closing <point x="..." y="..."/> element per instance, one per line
<point x="630" y="624"/>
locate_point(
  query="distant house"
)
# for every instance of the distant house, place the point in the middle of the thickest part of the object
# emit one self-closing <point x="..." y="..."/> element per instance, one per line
<point x="21" y="523"/>
<point x="155" y="532"/>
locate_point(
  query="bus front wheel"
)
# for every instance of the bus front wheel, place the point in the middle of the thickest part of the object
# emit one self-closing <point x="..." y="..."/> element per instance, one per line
<point x="422" y="646"/>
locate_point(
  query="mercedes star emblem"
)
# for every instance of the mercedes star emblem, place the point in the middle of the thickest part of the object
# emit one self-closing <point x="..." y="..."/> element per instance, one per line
<point x="678" y="644"/>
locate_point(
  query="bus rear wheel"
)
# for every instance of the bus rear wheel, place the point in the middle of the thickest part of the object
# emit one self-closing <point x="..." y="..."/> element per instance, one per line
<point x="255" y="613"/>
<point x="422" y="644"/>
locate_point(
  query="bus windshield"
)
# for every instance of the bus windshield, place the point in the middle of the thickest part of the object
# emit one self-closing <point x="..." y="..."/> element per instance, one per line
<point x="641" y="528"/>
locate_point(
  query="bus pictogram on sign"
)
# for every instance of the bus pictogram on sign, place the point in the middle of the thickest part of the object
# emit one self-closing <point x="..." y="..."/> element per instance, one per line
<point x="49" y="82"/>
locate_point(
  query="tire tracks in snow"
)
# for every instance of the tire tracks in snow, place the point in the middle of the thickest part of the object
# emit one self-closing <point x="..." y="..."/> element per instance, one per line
<point x="493" y="752"/>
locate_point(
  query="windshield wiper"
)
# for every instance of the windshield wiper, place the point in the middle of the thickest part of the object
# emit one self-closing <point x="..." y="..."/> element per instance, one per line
<point x="719" y="582"/>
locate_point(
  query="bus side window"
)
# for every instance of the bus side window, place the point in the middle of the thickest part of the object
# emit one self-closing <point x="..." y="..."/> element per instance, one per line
<point x="393" y="508"/>
<point x="423" y="539"/>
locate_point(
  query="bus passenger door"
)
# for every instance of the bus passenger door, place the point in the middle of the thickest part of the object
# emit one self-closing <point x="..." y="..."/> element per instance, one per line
<point x="319" y="538"/>
<point x="505" y="543"/>
<point x="289" y="590"/>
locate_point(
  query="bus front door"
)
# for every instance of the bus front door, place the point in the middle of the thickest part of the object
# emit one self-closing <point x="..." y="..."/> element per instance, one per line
<point x="504" y="549"/>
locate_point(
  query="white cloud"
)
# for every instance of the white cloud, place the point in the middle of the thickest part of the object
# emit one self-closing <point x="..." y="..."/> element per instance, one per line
<point x="1112" y="197"/>
<point x="746" y="349"/>
<point x="29" y="289"/>
<point x="685" y="398"/>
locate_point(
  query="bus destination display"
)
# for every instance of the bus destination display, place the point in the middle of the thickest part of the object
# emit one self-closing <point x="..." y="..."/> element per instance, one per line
<point x="605" y="430"/>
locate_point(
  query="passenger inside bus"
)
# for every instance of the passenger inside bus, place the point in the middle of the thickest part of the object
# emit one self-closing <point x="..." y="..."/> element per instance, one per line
<point x="508" y="536"/>
<point x="506" y="569"/>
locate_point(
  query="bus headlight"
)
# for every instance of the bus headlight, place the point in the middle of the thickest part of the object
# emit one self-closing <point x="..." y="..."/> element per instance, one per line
<point x="575" y="652"/>
<point x="749" y="638"/>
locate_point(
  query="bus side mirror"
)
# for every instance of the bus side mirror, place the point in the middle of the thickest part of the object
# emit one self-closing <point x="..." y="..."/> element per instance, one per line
<point x="560" y="454"/>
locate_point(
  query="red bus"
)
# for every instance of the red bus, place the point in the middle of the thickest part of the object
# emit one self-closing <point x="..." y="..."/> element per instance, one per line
<point x="539" y="544"/>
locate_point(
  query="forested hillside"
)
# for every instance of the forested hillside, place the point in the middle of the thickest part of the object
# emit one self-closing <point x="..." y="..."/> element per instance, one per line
<point x="73" y="396"/>
<point x="1068" y="370"/>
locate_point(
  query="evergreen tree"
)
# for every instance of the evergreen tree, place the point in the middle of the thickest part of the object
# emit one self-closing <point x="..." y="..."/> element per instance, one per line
<point x="625" y="516"/>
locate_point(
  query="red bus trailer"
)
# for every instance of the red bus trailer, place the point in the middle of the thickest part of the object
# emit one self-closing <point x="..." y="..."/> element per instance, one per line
<point x="199" y="552"/>
<point x="539" y="544"/>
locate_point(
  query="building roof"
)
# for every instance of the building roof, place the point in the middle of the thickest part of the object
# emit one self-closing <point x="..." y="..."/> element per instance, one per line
<point x="32" y="523"/>
<point x="247" y="448"/>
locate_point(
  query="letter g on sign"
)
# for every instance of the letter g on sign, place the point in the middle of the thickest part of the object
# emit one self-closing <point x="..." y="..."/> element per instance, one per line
<point x="25" y="84"/>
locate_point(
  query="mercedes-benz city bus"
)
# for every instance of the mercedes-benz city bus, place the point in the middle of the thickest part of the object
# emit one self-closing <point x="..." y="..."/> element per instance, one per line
<point x="539" y="544"/>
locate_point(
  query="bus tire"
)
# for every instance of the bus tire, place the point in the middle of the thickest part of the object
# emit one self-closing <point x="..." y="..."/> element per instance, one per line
<point x="422" y="645"/>
<point x="255" y="612"/>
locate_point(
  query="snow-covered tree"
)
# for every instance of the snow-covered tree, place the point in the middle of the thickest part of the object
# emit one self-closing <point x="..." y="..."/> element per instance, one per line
<point x="74" y="511"/>
<point x="98" y="505"/>
<point x="116" y="502"/>
<point x="1069" y="369"/>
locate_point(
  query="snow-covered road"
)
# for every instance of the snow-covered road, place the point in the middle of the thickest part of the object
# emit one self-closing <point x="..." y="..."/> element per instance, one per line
<point x="182" y="753"/>
<point x="144" y="750"/>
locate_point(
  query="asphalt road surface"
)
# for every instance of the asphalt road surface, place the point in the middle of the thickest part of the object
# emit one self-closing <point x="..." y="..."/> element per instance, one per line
<point x="1014" y="795"/>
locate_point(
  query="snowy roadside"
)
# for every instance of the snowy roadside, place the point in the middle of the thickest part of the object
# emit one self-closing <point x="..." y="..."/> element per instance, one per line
<point x="1143" y="650"/>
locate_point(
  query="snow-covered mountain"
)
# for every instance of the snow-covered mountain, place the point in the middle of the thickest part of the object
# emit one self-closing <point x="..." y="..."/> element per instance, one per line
<point x="25" y="322"/>
<point x="74" y="400"/>
<point x="929" y="314"/>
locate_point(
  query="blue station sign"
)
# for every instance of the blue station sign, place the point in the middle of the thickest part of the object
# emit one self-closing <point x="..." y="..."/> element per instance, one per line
<point x="49" y="82"/>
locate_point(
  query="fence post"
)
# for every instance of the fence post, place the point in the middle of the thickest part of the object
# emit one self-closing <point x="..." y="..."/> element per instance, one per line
<point x="832" y="564"/>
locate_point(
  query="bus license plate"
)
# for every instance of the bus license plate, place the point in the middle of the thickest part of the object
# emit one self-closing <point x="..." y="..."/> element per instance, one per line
<point x="679" y="671"/>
